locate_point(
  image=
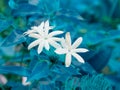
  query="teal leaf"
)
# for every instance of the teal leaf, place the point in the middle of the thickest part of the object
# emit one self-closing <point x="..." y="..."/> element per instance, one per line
<point x="12" y="4"/>
<point x="100" y="60"/>
<point x="26" y="9"/>
<point x="4" y="24"/>
<point x="40" y="70"/>
<point x="14" y="70"/>
<point x="16" y="37"/>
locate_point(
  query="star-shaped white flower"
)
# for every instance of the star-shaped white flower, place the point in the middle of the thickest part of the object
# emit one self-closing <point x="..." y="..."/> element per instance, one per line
<point x="43" y="38"/>
<point x="71" y="50"/>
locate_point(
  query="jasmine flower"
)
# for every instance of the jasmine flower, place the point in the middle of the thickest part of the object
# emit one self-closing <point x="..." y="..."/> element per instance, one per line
<point x="43" y="38"/>
<point x="70" y="50"/>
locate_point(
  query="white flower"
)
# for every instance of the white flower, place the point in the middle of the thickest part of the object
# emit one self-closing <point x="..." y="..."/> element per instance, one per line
<point x="43" y="38"/>
<point x="71" y="50"/>
<point x="24" y="81"/>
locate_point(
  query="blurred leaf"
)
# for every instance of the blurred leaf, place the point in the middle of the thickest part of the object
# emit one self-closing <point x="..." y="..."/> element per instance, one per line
<point x="99" y="60"/>
<point x="4" y="24"/>
<point x="95" y="82"/>
<point x="14" y="70"/>
<point x="40" y="70"/>
<point x="14" y="38"/>
<point x="12" y="4"/>
<point x="26" y="9"/>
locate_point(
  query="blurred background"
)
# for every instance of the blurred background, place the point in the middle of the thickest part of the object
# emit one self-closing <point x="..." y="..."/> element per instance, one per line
<point x="98" y="22"/>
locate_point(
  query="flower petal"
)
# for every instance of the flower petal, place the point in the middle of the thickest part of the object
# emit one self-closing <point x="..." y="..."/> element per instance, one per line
<point x="54" y="44"/>
<point x="34" y="35"/>
<point x="78" y="57"/>
<point x="61" y="51"/>
<point x="77" y="42"/>
<point x="56" y="39"/>
<point x="68" y="39"/>
<point x="40" y="27"/>
<point x="68" y="60"/>
<point x="81" y="50"/>
<point x="47" y="24"/>
<point x="54" y="33"/>
<point x="63" y="43"/>
<point x="33" y="44"/>
<point x="40" y="47"/>
<point x="47" y="47"/>
<point x="29" y="32"/>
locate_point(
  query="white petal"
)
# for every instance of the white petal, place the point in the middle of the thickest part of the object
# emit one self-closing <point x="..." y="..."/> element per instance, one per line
<point x="54" y="33"/>
<point x="56" y="39"/>
<point x="47" y="24"/>
<point x="81" y="50"/>
<point x="46" y="27"/>
<point x="34" y="27"/>
<point x="61" y="51"/>
<point x="51" y="27"/>
<point x="68" y="38"/>
<point x="34" y="35"/>
<point x="29" y="32"/>
<point x="47" y="47"/>
<point x="78" y="57"/>
<point x="41" y="26"/>
<point x="77" y="42"/>
<point x="40" y="47"/>
<point x="68" y="60"/>
<point x="34" y="43"/>
<point x="63" y="43"/>
<point x="54" y="44"/>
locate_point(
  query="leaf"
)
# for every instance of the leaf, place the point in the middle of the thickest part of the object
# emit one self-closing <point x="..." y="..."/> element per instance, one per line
<point x="94" y="82"/>
<point x="26" y="9"/>
<point x="12" y="4"/>
<point x="16" y="37"/>
<point x="4" y="24"/>
<point x="99" y="60"/>
<point x="40" y="70"/>
<point x="63" y="70"/>
<point x="14" y="70"/>
<point x="72" y="83"/>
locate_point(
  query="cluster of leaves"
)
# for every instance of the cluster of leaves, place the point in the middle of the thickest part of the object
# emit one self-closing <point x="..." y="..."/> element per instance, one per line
<point x="101" y="35"/>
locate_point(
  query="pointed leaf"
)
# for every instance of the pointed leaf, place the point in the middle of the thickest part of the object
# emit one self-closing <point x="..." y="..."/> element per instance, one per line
<point x="14" y="70"/>
<point x="4" y="24"/>
<point x="40" y="70"/>
<point x="14" y="38"/>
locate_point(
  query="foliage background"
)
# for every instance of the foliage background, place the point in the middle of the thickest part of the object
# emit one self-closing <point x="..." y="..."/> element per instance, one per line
<point x="100" y="30"/>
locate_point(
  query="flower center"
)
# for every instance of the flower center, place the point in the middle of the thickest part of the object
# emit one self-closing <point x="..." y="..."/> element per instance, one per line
<point x="69" y="50"/>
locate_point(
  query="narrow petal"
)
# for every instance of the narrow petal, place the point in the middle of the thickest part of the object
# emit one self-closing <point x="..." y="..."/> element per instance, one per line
<point x="63" y="43"/>
<point x="47" y="47"/>
<point x="34" y="35"/>
<point x="68" y="60"/>
<point x="40" y="47"/>
<point x="34" y="28"/>
<point x="78" y="57"/>
<point x="68" y="39"/>
<point x="29" y="32"/>
<point x="34" y="43"/>
<point x="54" y="33"/>
<point x="47" y="24"/>
<point x="61" y="51"/>
<point x="54" y="44"/>
<point x="56" y="39"/>
<point x="81" y="50"/>
<point x="46" y="27"/>
<point x="51" y="27"/>
<point x="41" y="26"/>
<point x="77" y="42"/>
